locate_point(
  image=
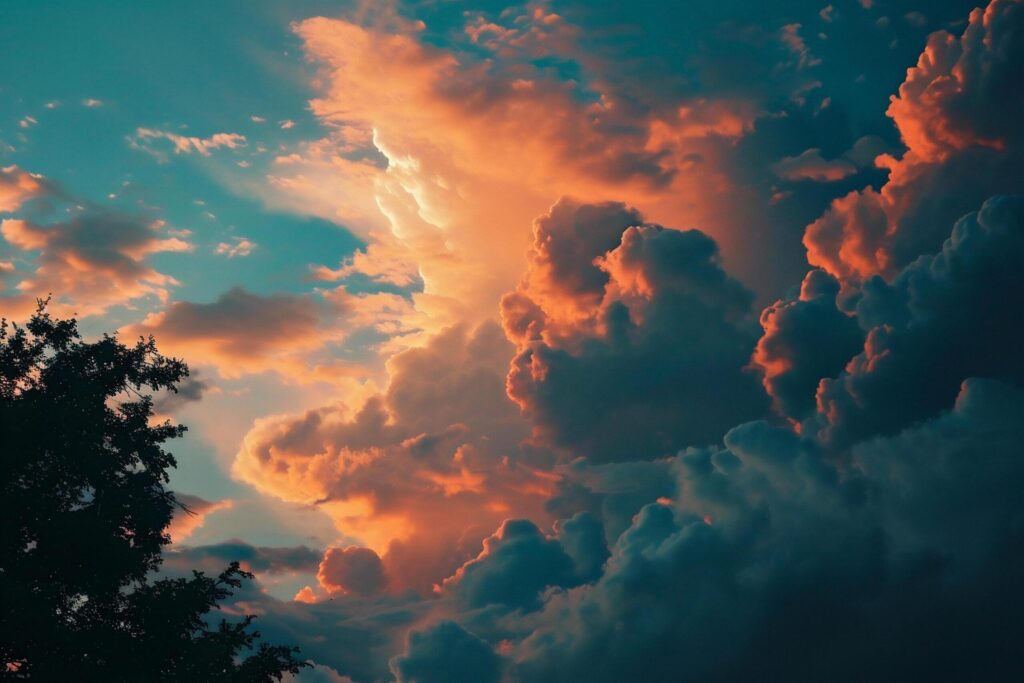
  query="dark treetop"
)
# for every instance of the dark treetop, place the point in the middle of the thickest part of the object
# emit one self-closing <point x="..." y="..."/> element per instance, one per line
<point x="83" y="515"/>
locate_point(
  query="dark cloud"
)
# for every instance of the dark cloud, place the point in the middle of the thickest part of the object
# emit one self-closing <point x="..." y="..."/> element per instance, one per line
<point x="257" y="559"/>
<point x="775" y="565"/>
<point x="583" y="540"/>
<point x="517" y="562"/>
<point x="805" y="339"/>
<point x="664" y="350"/>
<point x="446" y="653"/>
<point x="943" y="319"/>
<point x="354" y="570"/>
<point x="190" y="390"/>
<point x="810" y="165"/>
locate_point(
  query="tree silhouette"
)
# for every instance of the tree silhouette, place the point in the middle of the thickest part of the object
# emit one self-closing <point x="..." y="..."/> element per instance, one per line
<point x="83" y="518"/>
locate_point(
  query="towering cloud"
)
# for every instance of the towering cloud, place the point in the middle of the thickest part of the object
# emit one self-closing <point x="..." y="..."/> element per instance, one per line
<point x="958" y="114"/>
<point x="943" y="319"/>
<point x="441" y="150"/>
<point x="620" y="322"/>
<point x="419" y="474"/>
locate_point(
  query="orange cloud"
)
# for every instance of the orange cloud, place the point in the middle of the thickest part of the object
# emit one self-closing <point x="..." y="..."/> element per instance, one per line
<point x="419" y="474"/>
<point x="241" y="332"/>
<point x="441" y="159"/>
<point x="958" y="114"/>
<point x="186" y="520"/>
<point x="90" y="262"/>
<point x="16" y="186"/>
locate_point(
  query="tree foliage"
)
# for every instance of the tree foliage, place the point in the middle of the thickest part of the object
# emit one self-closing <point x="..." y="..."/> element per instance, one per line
<point x="84" y="510"/>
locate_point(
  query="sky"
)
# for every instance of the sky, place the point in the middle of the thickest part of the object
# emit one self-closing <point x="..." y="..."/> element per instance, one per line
<point x="561" y="340"/>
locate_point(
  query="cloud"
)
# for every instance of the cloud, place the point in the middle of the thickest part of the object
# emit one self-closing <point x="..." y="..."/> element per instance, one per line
<point x="90" y="262"/>
<point x="441" y="156"/>
<point x="185" y="144"/>
<point x="790" y="36"/>
<point x="240" y="246"/>
<point x="352" y="570"/>
<point x="420" y="473"/>
<point x="773" y="563"/>
<point x="241" y="332"/>
<point x="263" y="561"/>
<point x="382" y="261"/>
<point x="517" y="562"/>
<point x="193" y="515"/>
<point x="17" y="186"/>
<point x="810" y="165"/>
<point x="957" y="112"/>
<point x="190" y="390"/>
<point x="805" y="339"/>
<point x="944" y="318"/>
<point x="641" y="328"/>
<point x="446" y="653"/>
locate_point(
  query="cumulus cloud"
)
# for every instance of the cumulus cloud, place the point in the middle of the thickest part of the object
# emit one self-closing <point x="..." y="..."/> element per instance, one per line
<point x="805" y="339"/>
<point x="621" y="322"/>
<point x="958" y="114"/>
<point x="775" y="564"/>
<point x="352" y="570"/>
<point x="441" y="155"/>
<point x="944" y="318"/>
<point x="517" y="562"/>
<point x="783" y="554"/>
<point x="446" y="653"/>
<point x="420" y="473"/>
<point x="663" y="536"/>
<point x="90" y="262"/>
